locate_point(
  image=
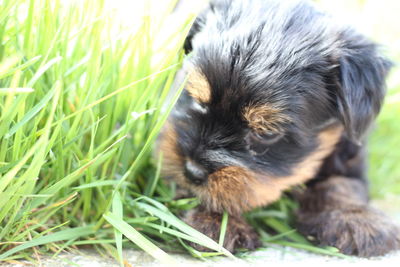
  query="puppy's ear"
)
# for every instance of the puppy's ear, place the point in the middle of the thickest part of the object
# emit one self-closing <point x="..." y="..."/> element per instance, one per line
<point x="362" y="73"/>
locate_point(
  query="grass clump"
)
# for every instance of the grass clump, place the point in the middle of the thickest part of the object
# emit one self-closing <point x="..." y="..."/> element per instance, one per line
<point x="80" y="104"/>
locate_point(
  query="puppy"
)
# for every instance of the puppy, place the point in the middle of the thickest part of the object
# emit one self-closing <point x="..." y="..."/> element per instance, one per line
<point x="278" y="95"/>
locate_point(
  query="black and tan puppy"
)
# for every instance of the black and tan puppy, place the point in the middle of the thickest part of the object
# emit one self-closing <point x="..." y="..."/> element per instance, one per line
<point x="278" y="95"/>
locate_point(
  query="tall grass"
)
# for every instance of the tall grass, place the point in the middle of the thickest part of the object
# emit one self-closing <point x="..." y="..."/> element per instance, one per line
<point x="80" y="104"/>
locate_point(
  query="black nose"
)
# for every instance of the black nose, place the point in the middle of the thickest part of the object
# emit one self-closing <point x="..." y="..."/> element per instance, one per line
<point x="195" y="173"/>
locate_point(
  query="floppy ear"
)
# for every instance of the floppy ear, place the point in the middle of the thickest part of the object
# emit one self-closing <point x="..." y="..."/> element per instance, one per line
<point x="362" y="73"/>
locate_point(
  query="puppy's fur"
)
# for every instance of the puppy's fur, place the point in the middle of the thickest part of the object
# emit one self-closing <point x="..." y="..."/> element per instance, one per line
<point x="278" y="94"/>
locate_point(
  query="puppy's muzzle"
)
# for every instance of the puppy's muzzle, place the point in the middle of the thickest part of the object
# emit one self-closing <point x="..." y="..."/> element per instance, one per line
<point x="195" y="173"/>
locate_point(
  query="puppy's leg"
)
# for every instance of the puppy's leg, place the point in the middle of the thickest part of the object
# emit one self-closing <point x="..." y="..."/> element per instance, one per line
<point x="238" y="234"/>
<point x="336" y="213"/>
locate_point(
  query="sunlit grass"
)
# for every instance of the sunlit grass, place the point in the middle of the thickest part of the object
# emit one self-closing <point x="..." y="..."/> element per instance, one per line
<point x="80" y="104"/>
<point x="384" y="166"/>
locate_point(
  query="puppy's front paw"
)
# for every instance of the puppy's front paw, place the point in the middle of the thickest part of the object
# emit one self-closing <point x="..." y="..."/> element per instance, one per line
<point x="357" y="230"/>
<point x="238" y="234"/>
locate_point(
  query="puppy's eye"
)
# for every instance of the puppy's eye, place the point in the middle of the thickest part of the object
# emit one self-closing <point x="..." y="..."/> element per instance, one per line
<point x="259" y="143"/>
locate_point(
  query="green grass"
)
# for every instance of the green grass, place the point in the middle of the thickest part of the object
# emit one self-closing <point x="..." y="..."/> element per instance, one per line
<point x="384" y="169"/>
<point x="80" y="103"/>
<point x="82" y="99"/>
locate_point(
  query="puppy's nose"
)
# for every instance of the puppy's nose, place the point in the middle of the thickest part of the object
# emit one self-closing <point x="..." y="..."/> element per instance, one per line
<point x="195" y="173"/>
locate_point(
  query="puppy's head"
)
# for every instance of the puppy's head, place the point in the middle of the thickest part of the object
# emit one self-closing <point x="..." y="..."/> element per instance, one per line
<point x="266" y="101"/>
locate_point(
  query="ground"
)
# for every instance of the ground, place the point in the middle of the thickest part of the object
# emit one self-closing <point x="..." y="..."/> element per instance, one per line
<point x="271" y="256"/>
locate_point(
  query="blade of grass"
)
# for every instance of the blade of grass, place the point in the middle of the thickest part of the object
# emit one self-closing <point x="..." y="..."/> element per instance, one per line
<point x="139" y="239"/>
<point x="118" y="212"/>
<point x="224" y="224"/>
<point x="67" y="234"/>
<point x="171" y="219"/>
<point x="29" y="115"/>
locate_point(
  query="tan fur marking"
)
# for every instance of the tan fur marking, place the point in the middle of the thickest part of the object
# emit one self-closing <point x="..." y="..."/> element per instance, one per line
<point x="198" y="87"/>
<point x="229" y="189"/>
<point x="236" y="189"/>
<point x="270" y="190"/>
<point x="172" y="161"/>
<point x="265" y="118"/>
